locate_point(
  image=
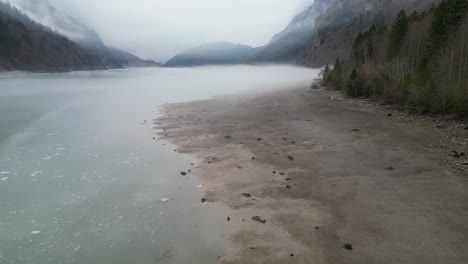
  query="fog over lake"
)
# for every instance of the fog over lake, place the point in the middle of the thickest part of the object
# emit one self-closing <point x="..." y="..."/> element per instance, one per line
<point x="82" y="180"/>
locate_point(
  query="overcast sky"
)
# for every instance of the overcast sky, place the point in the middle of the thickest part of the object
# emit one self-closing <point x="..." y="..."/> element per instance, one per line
<point x="160" y="28"/>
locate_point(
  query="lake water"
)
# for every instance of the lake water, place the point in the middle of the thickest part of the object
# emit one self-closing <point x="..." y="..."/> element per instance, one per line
<point x="82" y="180"/>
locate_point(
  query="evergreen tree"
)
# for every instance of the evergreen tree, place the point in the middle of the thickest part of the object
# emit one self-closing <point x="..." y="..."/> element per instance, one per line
<point x="414" y="16"/>
<point x="397" y="34"/>
<point x="353" y="85"/>
<point x="448" y="17"/>
<point x="447" y="20"/>
<point x="336" y="77"/>
<point x="326" y="75"/>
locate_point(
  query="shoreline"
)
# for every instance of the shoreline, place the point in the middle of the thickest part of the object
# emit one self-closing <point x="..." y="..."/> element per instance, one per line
<point x="326" y="173"/>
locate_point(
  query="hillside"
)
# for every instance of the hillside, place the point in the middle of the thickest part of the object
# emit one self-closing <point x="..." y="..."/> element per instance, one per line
<point x="419" y="61"/>
<point x="284" y="46"/>
<point x="46" y="14"/>
<point x="27" y="45"/>
<point x="213" y="53"/>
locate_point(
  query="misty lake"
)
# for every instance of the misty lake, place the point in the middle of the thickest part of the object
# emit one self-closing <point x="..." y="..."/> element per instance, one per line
<point x="82" y="180"/>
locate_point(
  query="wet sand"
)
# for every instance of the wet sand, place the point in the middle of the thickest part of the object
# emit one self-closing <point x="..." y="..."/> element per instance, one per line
<point x="324" y="172"/>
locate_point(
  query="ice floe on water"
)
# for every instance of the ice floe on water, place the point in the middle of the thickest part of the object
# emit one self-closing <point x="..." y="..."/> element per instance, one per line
<point x="35" y="232"/>
<point x="4" y="178"/>
<point x="51" y="156"/>
<point x="35" y="173"/>
<point x="165" y="199"/>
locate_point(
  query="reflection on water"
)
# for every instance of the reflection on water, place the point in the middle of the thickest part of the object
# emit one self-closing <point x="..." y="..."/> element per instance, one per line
<point x="82" y="181"/>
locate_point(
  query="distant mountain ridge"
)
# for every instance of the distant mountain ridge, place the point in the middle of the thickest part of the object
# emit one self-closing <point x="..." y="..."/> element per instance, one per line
<point x="213" y="53"/>
<point x="281" y="47"/>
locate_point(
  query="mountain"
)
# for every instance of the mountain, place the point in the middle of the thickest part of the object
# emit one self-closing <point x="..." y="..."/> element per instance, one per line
<point x="27" y="45"/>
<point x="43" y="12"/>
<point x="213" y="53"/>
<point x="284" y="46"/>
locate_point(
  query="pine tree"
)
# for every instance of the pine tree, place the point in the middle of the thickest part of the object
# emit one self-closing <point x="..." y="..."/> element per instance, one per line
<point x="448" y="17"/>
<point x="353" y="85"/>
<point x="397" y="34"/>
<point x="326" y="75"/>
<point x="336" y="77"/>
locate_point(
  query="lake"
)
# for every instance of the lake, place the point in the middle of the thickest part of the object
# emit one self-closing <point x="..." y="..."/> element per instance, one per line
<point x="83" y="181"/>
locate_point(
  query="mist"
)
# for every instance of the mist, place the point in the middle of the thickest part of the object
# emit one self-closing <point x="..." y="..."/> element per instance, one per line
<point x="158" y="29"/>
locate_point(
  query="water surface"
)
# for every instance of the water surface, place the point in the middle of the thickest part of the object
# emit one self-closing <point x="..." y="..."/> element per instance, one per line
<point x="82" y="180"/>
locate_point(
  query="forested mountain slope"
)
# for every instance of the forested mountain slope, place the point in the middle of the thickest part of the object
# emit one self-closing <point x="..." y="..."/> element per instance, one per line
<point x="27" y="45"/>
<point x="43" y="12"/>
<point x="337" y="27"/>
<point x="419" y="61"/>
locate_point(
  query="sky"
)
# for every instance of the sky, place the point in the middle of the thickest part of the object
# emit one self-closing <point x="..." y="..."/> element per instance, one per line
<point x="158" y="29"/>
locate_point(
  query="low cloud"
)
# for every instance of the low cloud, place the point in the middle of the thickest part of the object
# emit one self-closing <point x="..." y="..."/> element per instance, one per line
<point x="160" y="28"/>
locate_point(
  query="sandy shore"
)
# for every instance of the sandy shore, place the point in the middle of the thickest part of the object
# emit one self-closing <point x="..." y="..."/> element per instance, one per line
<point x="324" y="172"/>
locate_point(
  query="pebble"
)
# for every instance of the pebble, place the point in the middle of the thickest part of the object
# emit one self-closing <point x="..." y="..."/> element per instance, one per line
<point x="348" y="246"/>
<point x="456" y="154"/>
<point x="259" y="219"/>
